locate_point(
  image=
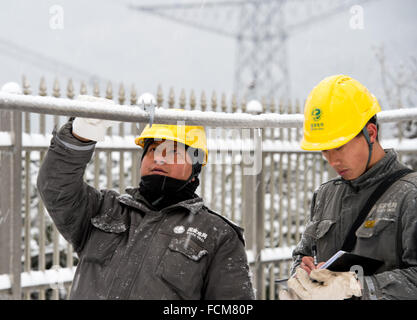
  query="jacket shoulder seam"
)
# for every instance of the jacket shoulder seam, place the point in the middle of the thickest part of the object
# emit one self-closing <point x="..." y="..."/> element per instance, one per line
<point x="235" y="227"/>
<point x="405" y="179"/>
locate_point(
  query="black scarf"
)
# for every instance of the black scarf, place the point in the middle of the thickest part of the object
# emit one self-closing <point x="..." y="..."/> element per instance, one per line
<point x="162" y="191"/>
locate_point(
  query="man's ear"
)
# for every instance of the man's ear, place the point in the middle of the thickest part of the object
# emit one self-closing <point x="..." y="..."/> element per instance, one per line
<point x="193" y="179"/>
<point x="372" y="131"/>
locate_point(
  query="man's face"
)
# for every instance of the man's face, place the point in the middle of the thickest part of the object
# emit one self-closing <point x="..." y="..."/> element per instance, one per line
<point x="167" y="158"/>
<point x="349" y="160"/>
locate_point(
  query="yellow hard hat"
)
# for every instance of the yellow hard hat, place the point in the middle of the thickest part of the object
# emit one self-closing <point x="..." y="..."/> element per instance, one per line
<point x="192" y="136"/>
<point x="336" y="110"/>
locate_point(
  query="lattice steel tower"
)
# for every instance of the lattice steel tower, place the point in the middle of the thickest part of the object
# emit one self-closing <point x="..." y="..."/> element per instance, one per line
<point x="261" y="29"/>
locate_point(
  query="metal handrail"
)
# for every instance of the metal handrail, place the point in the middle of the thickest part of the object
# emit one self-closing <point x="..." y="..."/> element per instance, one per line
<point x="68" y="107"/>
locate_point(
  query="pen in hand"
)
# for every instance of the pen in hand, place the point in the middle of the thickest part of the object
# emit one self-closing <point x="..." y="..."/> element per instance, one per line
<point x="314" y="254"/>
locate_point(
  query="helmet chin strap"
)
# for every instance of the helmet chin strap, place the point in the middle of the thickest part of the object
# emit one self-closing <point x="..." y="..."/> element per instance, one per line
<point x="370" y="145"/>
<point x="193" y="175"/>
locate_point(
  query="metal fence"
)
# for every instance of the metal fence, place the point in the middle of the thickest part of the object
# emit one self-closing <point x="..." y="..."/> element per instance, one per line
<point x="272" y="205"/>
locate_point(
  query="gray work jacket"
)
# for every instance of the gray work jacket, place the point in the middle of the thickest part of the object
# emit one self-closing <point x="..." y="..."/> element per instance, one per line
<point x="389" y="232"/>
<point x="129" y="251"/>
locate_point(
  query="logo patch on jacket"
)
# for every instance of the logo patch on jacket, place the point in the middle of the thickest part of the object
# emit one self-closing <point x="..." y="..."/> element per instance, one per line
<point x="196" y="233"/>
<point x="179" y="229"/>
<point x="386" y="207"/>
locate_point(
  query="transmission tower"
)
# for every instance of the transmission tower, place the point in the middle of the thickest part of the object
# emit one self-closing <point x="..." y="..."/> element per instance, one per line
<point x="261" y="29"/>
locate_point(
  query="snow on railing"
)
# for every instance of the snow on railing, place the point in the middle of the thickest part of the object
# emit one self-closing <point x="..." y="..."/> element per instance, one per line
<point x="5" y="139"/>
<point x="269" y="255"/>
<point x="32" y="279"/>
<point x="68" y="107"/>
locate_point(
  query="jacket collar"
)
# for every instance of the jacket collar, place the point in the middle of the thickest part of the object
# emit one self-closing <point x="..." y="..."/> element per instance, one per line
<point x="376" y="174"/>
<point x="134" y="199"/>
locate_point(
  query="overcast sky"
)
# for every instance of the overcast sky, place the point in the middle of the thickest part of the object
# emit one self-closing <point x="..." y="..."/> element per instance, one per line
<point x="108" y="39"/>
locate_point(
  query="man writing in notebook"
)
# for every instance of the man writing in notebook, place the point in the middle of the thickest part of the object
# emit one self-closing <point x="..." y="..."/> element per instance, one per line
<point x="359" y="211"/>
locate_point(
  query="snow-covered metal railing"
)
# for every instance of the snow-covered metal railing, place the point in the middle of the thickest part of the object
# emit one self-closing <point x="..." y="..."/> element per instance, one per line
<point x="68" y="107"/>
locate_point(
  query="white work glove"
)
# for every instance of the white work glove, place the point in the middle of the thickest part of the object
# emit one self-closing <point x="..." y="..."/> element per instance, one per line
<point x="329" y="286"/>
<point x="92" y="129"/>
<point x="288" y="294"/>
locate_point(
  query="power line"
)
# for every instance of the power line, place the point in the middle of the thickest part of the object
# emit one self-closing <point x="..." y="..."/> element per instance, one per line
<point x="15" y="51"/>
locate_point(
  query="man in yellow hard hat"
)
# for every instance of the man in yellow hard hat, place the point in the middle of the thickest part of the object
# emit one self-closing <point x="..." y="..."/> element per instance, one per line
<point x="172" y="159"/>
<point x="369" y="210"/>
<point x="157" y="241"/>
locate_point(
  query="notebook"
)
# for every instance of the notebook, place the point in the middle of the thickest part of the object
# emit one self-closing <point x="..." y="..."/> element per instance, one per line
<point x="342" y="261"/>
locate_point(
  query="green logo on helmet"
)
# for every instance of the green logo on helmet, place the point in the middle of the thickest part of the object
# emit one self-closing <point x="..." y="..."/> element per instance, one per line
<point x="316" y="114"/>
